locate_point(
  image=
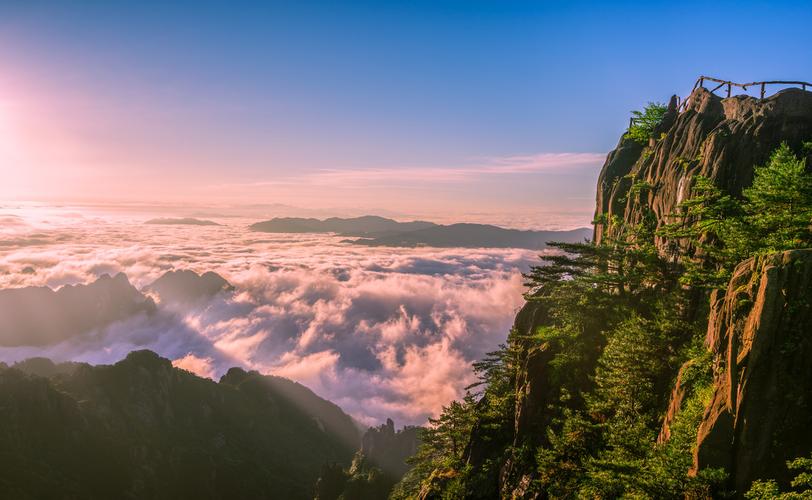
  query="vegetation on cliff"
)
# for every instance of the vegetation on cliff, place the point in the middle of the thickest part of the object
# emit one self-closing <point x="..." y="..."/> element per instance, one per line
<point x="643" y="123"/>
<point x="604" y="386"/>
<point x="773" y="214"/>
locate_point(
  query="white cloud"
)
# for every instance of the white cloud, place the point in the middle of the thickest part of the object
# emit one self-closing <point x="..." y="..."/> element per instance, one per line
<point x="203" y="367"/>
<point x="382" y="332"/>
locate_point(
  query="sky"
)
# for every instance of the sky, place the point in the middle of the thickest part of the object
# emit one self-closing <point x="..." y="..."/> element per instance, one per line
<point x="419" y="107"/>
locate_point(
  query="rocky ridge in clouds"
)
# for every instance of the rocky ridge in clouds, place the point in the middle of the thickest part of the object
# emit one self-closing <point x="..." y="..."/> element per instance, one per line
<point x="40" y="316"/>
<point x="185" y="286"/>
<point x="376" y="467"/>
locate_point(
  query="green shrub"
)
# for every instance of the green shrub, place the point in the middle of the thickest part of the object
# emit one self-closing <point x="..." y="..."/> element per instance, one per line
<point x="644" y="122"/>
<point x="768" y="490"/>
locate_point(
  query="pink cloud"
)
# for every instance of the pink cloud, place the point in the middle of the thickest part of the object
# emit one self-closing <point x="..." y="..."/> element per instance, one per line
<point x="543" y="162"/>
<point x="203" y="367"/>
<point x="382" y="332"/>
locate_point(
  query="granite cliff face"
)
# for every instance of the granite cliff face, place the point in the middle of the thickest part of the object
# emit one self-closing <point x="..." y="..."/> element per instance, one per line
<point x="721" y="139"/>
<point x="758" y="331"/>
<point x="759" y="334"/>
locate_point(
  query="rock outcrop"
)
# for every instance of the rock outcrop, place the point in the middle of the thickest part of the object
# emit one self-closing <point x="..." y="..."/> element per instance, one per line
<point x="388" y="449"/>
<point x="761" y="405"/>
<point x="534" y="392"/>
<point x="678" y="394"/>
<point x="759" y="333"/>
<point x="376" y="467"/>
<point x="721" y="139"/>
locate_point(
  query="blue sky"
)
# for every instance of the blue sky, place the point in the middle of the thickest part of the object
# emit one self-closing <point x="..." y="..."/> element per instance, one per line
<point x="298" y="101"/>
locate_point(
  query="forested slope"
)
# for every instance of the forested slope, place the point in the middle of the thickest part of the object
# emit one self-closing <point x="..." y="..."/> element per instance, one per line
<point x="143" y="429"/>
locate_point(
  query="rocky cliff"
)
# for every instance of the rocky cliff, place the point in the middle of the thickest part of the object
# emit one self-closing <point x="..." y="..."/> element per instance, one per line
<point x="721" y="139"/>
<point x="760" y="410"/>
<point x="759" y="333"/>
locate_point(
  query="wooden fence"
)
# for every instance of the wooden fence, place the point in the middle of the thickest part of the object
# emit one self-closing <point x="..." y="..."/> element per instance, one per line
<point x="700" y="82"/>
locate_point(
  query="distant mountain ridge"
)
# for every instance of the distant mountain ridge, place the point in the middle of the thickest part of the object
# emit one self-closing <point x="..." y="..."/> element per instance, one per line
<point x="380" y="231"/>
<point x="366" y="226"/>
<point x="184" y="221"/>
<point x="476" y="236"/>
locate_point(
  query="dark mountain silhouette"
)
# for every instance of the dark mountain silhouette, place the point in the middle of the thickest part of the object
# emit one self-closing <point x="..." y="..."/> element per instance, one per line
<point x="327" y="416"/>
<point x="185" y="221"/>
<point x="44" y="367"/>
<point x="40" y="315"/>
<point x="475" y="236"/>
<point x="143" y="429"/>
<point x="184" y="286"/>
<point x="368" y="226"/>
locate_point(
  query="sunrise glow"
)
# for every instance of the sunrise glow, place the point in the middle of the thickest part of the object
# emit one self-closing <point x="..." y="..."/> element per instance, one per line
<point x="405" y="250"/>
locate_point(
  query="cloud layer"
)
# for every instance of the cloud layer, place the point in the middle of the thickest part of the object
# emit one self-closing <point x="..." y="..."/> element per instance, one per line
<point x="382" y="332"/>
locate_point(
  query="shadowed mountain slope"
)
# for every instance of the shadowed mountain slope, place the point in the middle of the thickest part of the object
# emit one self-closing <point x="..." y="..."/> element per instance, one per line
<point x="143" y="429"/>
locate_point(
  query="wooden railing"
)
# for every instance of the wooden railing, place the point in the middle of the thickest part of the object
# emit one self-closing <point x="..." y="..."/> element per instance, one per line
<point x="700" y="82"/>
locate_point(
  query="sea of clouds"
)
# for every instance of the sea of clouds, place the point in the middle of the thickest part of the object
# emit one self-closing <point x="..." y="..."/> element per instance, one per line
<point x="382" y="332"/>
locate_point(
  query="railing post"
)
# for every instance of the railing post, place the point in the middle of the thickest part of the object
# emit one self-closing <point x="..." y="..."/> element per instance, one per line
<point x="700" y="82"/>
